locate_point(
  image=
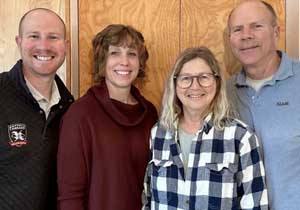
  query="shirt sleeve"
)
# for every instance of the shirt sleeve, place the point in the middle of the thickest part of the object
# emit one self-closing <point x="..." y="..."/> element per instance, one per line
<point x="71" y="166"/>
<point x="252" y="189"/>
<point x="146" y="195"/>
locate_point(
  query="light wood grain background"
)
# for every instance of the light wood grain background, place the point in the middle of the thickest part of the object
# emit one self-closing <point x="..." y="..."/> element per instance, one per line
<point x="157" y="20"/>
<point x="169" y="26"/>
<point x="10" y="13"/>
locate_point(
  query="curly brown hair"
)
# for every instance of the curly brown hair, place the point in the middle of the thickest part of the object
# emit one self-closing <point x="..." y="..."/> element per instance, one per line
<point x="117" y="35"/>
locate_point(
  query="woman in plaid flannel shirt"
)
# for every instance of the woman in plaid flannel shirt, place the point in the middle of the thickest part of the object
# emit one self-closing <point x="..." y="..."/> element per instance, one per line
<point x="201" y="158"/>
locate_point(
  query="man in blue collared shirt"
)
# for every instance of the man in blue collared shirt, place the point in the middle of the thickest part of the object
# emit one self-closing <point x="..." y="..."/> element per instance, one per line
<point x="265" y="94"/>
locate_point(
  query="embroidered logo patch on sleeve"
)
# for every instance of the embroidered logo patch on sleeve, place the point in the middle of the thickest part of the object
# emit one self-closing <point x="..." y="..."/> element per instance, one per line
<point x="17" y="134"/>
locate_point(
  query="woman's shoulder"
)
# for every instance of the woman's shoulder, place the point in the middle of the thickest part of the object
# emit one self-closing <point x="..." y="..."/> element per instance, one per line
<point x="85" y="105"/>
<point x="237" y="123"/>
<point x="161" y="133"/>
<point x="237" y="130"/>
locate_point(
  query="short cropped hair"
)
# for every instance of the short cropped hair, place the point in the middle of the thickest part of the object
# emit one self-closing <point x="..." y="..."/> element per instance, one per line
<point x="269" y="8"/>
<point x="272" y="11"/>
<point x="35" y="9"/>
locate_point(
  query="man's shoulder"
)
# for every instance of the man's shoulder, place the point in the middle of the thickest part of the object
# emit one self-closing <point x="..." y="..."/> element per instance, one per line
<point x="232" y="78"/>
<point x="11" y="75"/>
<point x="231" y="82"/>
<point x="63" y="90"/>
<point x="295" y="65"/>
<point x="289" y="64"/>
<point x="4" y="79"/>
<point x="3" y="75"/>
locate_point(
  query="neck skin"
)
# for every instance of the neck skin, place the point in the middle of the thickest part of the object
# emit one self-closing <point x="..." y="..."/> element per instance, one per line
<point x="265" y="69"/>
<point x="120" y="94"/>
<point x="41" y="84"/>
<point x="191" y="121"/>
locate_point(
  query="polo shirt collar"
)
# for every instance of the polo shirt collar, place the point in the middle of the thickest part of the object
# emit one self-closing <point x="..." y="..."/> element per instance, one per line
<point x="43" y="102"/>
<point x="284" y="71"/>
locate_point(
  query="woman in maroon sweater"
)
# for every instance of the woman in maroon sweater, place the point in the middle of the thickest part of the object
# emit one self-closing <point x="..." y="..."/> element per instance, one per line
<point x="104" y="140"/>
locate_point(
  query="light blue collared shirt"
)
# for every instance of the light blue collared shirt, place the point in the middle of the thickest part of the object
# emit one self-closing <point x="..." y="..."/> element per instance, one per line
<point x="273" y="112"/>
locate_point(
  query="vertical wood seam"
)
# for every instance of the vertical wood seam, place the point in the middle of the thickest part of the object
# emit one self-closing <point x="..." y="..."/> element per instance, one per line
<point x="74" y="27"/>
<point x="180" y="26"/>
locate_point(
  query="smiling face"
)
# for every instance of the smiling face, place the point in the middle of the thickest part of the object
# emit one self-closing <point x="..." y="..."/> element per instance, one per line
<point x="253" y="33"/>
<point x="42" y="43"/>
<point x="196" y="98"/>
<point x="122" y="66"/>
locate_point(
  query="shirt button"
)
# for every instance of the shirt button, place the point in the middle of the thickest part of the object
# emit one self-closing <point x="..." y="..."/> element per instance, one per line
<point x="41" y="112"/>
<point x="60" y="106"/>
<point x="187" y="201"/>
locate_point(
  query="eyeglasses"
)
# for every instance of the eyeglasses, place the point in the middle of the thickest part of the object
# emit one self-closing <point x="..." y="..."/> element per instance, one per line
<point x="204" y="80"/>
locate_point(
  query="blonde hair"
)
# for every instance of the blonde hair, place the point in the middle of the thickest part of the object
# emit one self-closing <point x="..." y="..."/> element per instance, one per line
<point x="172" y="107"/>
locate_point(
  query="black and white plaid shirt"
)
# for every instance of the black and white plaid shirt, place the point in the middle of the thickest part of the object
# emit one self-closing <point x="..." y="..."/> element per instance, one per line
<point x="225" y="171"/>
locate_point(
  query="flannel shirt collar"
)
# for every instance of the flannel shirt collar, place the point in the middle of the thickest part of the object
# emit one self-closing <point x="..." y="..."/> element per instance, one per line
<point x="206" y="126"/>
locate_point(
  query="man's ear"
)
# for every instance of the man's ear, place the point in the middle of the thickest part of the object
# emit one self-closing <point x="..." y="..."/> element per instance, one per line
<point x="18" y="40"/>
<point x="277" y="32"/>
<point x="67" y="43"/>
<point x="67" y="46"/>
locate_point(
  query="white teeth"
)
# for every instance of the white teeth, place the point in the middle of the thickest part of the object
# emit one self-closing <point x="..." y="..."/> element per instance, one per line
<point x="122" y="72"/>
<point x="196" y="96"/>
<point x="43" y="58"/>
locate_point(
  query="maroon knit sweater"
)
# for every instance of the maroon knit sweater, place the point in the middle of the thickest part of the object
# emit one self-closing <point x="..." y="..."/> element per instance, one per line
<point x="103" y="152"/>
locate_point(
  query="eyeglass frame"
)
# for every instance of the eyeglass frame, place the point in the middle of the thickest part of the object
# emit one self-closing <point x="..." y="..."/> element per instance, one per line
<point x="214" y="76"/>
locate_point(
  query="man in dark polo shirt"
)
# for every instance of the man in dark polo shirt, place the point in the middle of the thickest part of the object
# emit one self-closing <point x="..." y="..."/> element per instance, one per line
<point x="32" y="100"/>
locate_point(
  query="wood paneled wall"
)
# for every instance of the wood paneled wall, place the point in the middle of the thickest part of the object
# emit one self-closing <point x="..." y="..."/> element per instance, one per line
<point x="10" y="13"/>
<point x="157" y="20"/>
<point x="169" y="26"/>
<point x="204" y="23"/>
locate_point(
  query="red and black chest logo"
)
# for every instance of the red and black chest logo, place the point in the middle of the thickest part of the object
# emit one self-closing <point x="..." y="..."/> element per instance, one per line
<point x="17" y="134"/>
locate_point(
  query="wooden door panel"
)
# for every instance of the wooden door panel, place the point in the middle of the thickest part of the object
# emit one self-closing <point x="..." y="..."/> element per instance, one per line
<point x="203" y="23"/>
<point x="158" y="20"/>
<point x="169" y="26"/>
